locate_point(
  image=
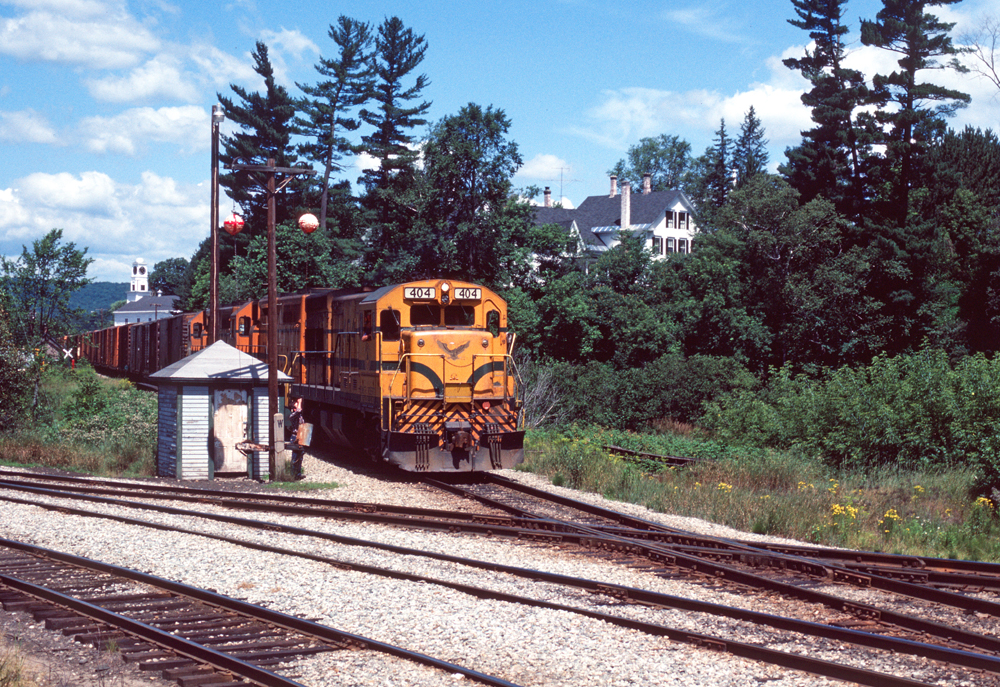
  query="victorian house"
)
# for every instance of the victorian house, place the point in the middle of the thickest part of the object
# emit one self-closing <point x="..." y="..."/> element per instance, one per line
<point x="662" y="218"/>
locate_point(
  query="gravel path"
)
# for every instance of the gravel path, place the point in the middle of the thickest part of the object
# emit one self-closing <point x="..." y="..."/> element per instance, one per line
<point x="528" y="646"/>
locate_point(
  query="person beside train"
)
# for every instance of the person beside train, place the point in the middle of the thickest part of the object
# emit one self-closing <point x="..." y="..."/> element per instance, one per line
<point x="295" y="422"/>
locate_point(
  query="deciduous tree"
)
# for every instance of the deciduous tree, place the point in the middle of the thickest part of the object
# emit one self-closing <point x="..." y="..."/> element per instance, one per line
<point x="665" y="158"/>
<point x="473" y="226"/>
<point x="40" y="282"/>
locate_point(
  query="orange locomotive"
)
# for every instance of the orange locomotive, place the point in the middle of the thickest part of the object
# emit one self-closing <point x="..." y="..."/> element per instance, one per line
<point x="417" y="374"/>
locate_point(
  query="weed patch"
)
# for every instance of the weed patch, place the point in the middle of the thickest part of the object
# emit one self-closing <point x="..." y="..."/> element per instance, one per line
<point x="793" y="494"/>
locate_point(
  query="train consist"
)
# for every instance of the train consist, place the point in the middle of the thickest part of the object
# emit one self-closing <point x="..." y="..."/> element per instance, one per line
<point x="418" y="374"/>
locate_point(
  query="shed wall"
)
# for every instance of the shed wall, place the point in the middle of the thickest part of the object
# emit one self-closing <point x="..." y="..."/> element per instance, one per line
<point x="166" y="440"/>
<point x="194" y="459"/>
<point x="259" y="467"/>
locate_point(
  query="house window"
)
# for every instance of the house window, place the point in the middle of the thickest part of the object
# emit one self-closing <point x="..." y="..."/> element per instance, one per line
<point x="682" y="246"/>
<point x="657" y="245"/>
<point x="670" y="246"/>
<point x="244" y="328"/>
<point x="682" y="220"/>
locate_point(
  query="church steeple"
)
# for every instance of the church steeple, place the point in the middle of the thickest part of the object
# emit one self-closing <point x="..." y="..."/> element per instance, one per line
<point x="140" y="281"/>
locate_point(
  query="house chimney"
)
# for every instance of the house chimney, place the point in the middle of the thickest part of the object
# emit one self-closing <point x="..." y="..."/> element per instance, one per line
<point x="647" y="184"/>
<point x="626" y="219"/>
<point x="548" y="197"/>
<point x="614" y="186"/>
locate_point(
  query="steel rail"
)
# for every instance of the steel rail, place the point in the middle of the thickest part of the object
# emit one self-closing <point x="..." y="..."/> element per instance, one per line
<point x="884" y="579"/>
<point x="283" y="620"/>
<point x="848" y="558"/>
<point x="621" y="592"/>
<point x="590" y="539"/>
<point x="741" y="649"/>
<point x="171" y="642"/>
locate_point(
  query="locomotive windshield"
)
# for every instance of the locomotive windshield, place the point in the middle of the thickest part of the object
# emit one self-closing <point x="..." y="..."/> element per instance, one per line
<point x="425" y="314"/>
<point x="459" y="316"/>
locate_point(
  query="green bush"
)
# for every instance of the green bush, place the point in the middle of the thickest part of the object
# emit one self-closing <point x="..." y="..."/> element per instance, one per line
<point x="89" y="423"/>
<point x="671" y="386"/>
<point x="918" y="411"/>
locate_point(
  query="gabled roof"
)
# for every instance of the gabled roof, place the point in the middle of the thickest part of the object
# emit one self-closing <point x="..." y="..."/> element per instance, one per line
<point x="150" y="303"/>
<point x="598" y="215"/>
<point x="218" y="362"/>
<point x="603" y="211"/>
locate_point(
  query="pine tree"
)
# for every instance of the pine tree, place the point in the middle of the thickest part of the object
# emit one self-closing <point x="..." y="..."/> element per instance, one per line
<point x="827" y="162"/>
<point x="265" y="120"/>
<point x="904" y="27"/>
<point x="398" y="52"/>
<point x="750" y="152"/>
<point x="720" y="179"/>
<point x="325" y="113"/>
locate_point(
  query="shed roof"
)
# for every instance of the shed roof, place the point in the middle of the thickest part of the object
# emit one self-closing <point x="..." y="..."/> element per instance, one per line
<point x="218" y="362"/>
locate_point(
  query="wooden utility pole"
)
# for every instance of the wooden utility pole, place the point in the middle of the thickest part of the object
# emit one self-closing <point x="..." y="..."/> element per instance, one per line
<point x="273" y="187"/>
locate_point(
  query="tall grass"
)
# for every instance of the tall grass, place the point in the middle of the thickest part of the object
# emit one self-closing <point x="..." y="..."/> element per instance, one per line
<point x="87" y="423"/>
<point x="12" y="670"/>
<point x="785" y="493"/>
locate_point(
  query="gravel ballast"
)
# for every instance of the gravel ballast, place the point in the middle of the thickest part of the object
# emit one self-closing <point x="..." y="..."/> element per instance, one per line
<point x="525" y="645"/>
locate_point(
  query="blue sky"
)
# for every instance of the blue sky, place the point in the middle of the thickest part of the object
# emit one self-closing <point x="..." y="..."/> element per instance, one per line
<point x="105" y="104"/>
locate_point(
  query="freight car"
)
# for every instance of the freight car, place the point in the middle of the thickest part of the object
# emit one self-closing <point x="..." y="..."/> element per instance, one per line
<point x="418" y="375"/>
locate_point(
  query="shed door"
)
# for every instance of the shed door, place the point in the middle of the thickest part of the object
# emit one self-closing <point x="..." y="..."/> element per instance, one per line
<point x="230" y="425"/>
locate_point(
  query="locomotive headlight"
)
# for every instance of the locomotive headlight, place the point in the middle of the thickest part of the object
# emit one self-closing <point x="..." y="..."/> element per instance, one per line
<point x="445" y="287"/>
<point x="420" y="343"/>
<point x="486" y="343"/>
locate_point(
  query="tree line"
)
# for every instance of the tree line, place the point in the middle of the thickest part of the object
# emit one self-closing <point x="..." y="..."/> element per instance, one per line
<point x="878" y="235"/>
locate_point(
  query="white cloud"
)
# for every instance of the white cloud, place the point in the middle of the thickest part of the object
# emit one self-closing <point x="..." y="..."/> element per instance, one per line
<point x="221" y="69"/>
<point x="708" y="21"/>
<point x="129" y="132"/>
<point x="156" y="219"/>
<point x="160" y="77"/>
<point x="77" y="33"/>
<point x="68" y="8"/>
<point x="545" y="167"/>
<point x="26" y="126"/>
<point x="293" y="42"/>
<point x="91" y="193"/>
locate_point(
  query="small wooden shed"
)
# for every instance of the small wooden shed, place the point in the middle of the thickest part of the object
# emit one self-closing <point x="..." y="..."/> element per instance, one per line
<point x="210" y="402"/>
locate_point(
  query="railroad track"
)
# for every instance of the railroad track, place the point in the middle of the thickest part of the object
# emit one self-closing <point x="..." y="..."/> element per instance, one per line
<point x="982" y="658"/>
<point x="189" y="635"/>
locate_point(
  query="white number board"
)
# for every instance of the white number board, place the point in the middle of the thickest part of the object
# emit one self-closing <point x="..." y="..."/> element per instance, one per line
<point x="419" y="292"/>
<point x="467" y="294"/>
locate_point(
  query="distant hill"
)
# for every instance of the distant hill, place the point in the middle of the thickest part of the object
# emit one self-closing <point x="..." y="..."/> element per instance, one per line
<point x="98" y="296"/>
